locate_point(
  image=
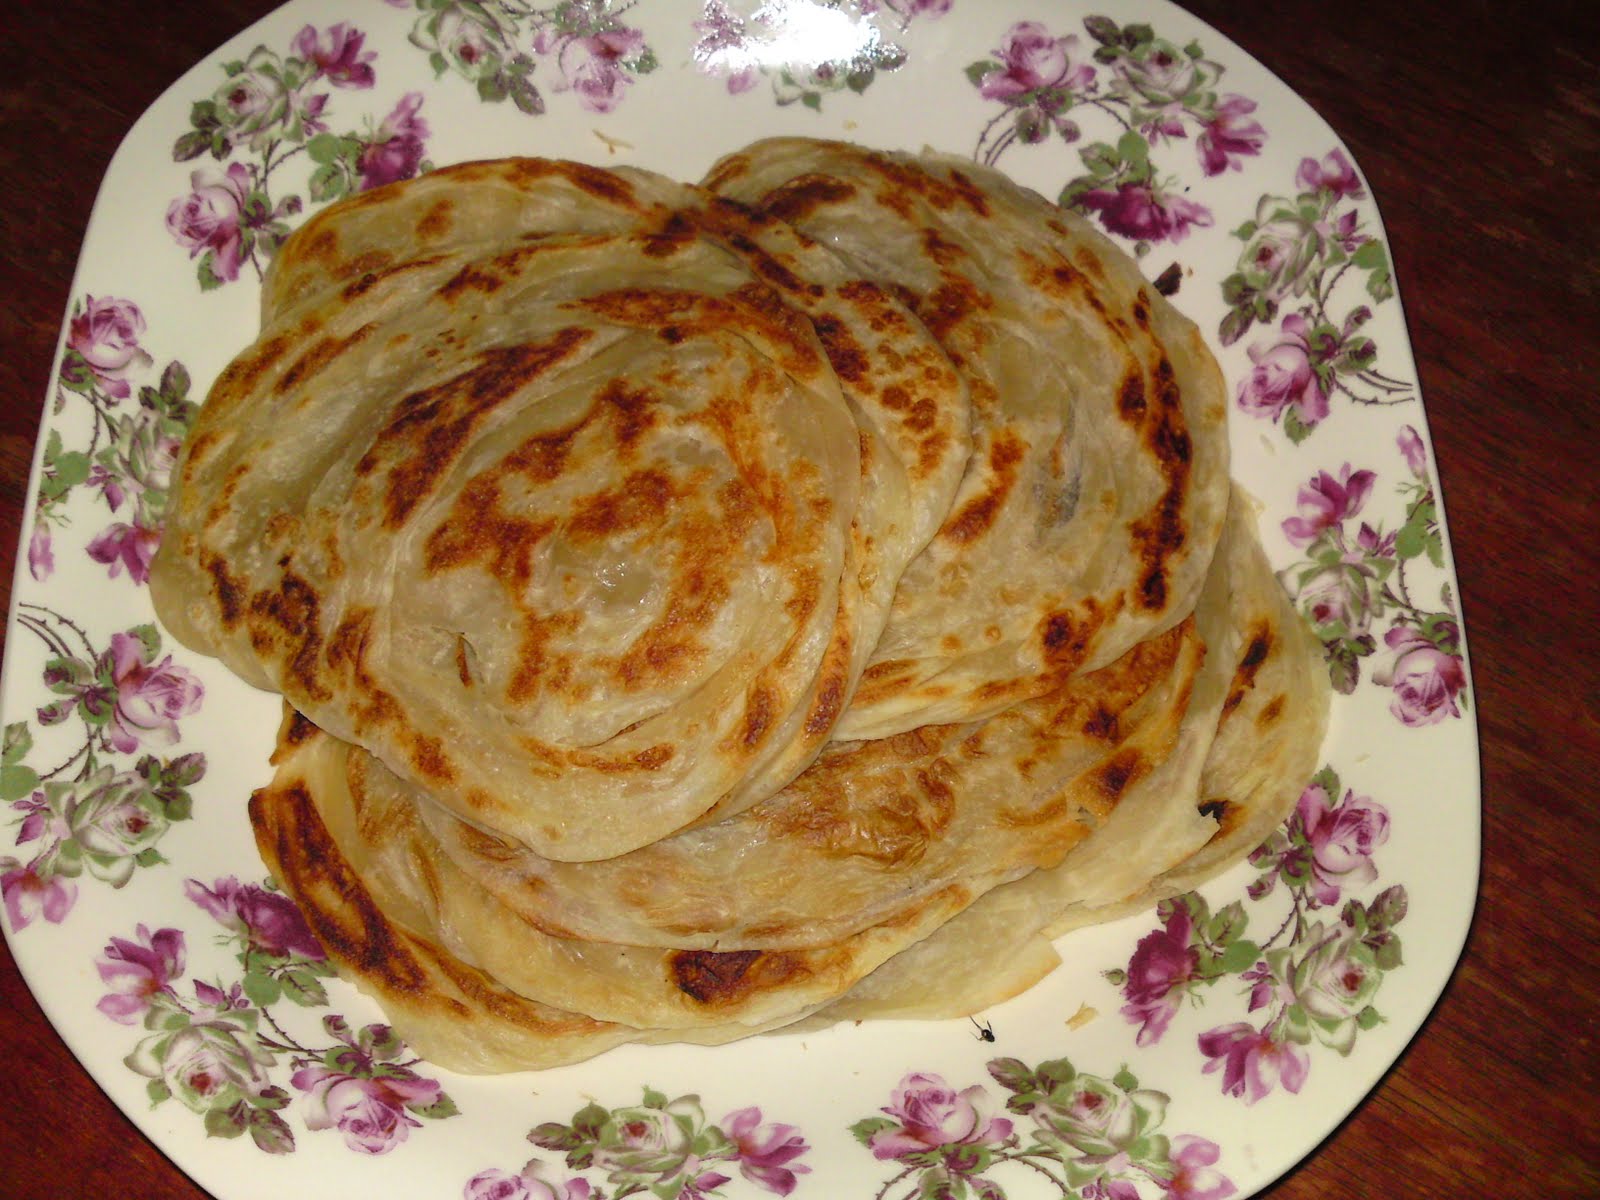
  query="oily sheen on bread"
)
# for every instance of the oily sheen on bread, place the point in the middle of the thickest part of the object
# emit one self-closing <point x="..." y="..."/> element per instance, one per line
<point x="705" y="610"/>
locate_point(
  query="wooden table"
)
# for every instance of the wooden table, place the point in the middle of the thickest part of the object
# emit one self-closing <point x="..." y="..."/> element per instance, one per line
<point x="1478" y="127"/>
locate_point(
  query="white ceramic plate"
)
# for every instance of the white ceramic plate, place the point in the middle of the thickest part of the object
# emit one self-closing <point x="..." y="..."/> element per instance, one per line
<point x="1197" y="1052"/>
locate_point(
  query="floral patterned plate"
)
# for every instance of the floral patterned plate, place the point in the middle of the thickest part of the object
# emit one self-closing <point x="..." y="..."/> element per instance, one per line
<point x="1196" y="1051"/>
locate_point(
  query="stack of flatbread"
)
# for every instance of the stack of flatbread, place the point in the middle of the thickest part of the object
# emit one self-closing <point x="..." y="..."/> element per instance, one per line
<point x="709" y="609"/>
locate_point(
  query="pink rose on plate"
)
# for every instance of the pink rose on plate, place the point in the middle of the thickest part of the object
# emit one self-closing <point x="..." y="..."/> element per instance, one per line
<point x="371" y="1113"/>
<point x="105" y="333"/>
<point x="533" y="1183"/>
<point x="1165" y="76"/>
<point x="932" y="1114"/>
<point x="1031" y="58"/>
<point x="151" y="698"/>
<point x="1283" y="377"/>
<point x="268" y="921"/>
<point x="1326" y="502"/>
<point x="1138" y="210"/>
<point x="595" y="67"/>
<point x="396" y="150"/>
<point x="766" y="1151"/>
<point x="337" y="54"/>
<point x="1162" y="962"/>
<point x="1251" y="1062"/>
<point x="211" y="218"/>
<point x="1334" y="983"/>
<point x="1342" y="838"/>
<point x="1426" y="680"/>
<point x="1337" y="598"/>
<point x="138" y="970"/>
<point x="115" y="817"/>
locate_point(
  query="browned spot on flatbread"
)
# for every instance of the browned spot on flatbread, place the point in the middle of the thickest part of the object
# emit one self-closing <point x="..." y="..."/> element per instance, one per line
<point x="244" y="373"/>
<point x="290" y="615"/>
<point x="713" y="977"/>
<point x="1141" y="310"/>
<point x="438" y="221"/>
<point x="849" y="361"/>
<point x="229" y="592"/>
<point x="474" y="277"/>
<point x="800" y="198"/>
<point x="1101" y="723"/>
<point x="1116" y="774"/>
<point x="320" y="355"/>
<point x="1130" y="398"/>
<point x="429" y="428"/>
<point x="949" y="304"/>
<point x="1257" y="650"/>
<point x="337" y="908"/>
<point x="429" y="759"/>
<point x="974" y="518"/>
<point x="671" y="236"/>
<point x="1162" y="532"/>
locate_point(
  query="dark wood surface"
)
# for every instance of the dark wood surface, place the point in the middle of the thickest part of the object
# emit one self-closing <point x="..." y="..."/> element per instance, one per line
<point x="1478" y="126"/>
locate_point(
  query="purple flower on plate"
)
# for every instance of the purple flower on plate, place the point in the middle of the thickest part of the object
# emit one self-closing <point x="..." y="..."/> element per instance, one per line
<point x="1341" y="838"/>
<point x="39" y="820"/>
<point x="1032" y="58"/>
<point x="210" y="219"/>
<point x="766" y="1151"/>
<point x="270" y="923"/>
<point x="114" y="817"/>
<point x="1194" y="1172"/>
<point x="41" y="554"/>
<point x="126" y="545"/>
<point x="136" y="971"/>
<point x="1283" y="377"/>
<point x="1334" y="173"/>
<point x="595" y="67"/>
<point x="396" y="150"/>
<point x="1337" y="596"/>
<point x="1426" y="679"/>
<point x="1334" y="983"/>
<point x="1326" y="502"/>
<point x="29" y="895"/>
<point x="337" y="54"/>
<point x="533" y="1183"/>
<point x="371" y="1112"/>
<point x="722" y="45"/>
<point x="1164" y="77"/>
<point x="1139" y="210"/>
<point x="210" y="1061"/>
<point x="1416" y="454"/>
<point x="109" y="484"/>
<point x="1162" y="962"/>
<point x="105" y="334"/>
<point x="1252" y="1062"/>
<point x="151" y="697"/>
<point x="256" y="102"/>
<point x="930" y="1114"/>
<point x="1231" y="134"/>
<point x="1095" y="1116"/>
